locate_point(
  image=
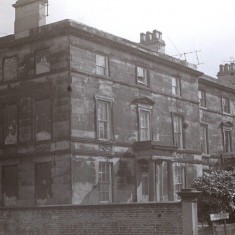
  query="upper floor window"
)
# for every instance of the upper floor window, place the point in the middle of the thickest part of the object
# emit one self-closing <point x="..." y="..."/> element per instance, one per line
<point x="202" y="98"/>
<point x="225" y="105"/>
<point x="144" y="124"/>
<point x="42" y="64"/>
<point x="142" y="75"/>
<point x="178" y="131"/>
<point x="43" y="119"/>
<point x="103" y="119"/>
<point x="105" y="181"/>
<point x="175" y="85"/>
<point x="10" y="69"/>
<point x="101" y="64"/>
<point x="204" y="138"/>
<point x="10" y="127"/>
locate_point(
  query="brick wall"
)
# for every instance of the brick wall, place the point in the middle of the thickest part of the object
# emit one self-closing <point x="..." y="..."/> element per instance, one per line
<point x="148" y="219"/>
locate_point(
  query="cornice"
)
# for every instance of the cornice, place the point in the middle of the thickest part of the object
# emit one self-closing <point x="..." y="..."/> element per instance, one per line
<point x="69" y="27"/>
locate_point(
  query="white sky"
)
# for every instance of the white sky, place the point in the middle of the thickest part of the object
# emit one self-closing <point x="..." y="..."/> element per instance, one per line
<point x="187" y="25"/>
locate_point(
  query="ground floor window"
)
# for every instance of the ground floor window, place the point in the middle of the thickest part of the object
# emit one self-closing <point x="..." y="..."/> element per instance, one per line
<point x="43" y="182"/>
<point x="180" y="178"/>
<point x="10" y="185"/>
<point x="105" y="182"/>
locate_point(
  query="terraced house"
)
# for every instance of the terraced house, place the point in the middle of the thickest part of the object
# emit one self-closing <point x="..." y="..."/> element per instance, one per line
<point x="87" y="117"/>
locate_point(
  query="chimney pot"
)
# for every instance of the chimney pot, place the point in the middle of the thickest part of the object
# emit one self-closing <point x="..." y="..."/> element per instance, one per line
<point x="149" y="36"/>
<point x="226" y="67"/>
<point x="142" y="37"/>
<point x="157" y="34"/>
<point x="221" y="68"/>
<point x="232" y="66"/>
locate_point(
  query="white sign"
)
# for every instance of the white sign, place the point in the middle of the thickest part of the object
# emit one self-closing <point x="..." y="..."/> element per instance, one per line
<point x="221" y="216"/>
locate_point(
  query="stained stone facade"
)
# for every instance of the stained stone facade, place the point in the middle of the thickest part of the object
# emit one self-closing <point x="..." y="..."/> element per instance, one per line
<point x="87" y="117"/>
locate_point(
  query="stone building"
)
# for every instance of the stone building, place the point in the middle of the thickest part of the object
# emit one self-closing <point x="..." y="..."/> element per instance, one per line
<point x="87" y="117"/>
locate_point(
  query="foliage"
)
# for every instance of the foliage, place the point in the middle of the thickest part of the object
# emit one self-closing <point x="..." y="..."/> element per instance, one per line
<point x="218" y="194"/>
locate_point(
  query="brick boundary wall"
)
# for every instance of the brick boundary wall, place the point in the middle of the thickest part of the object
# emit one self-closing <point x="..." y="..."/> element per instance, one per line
<point x="111" y="219"/>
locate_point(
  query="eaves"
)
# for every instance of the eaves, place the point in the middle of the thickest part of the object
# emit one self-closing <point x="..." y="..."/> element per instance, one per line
<point x="216" y="84"/>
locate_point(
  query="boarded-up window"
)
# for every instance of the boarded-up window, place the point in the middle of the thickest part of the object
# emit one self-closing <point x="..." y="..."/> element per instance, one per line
<point x="10" y="185"/>
<point x="10" y="69"/>
<point x="10" y="124"/>
<point x="43" y="119"/>
<point x="43" y="182"/>
<point x="42" y="62"/>
<point x="25" y="122"/>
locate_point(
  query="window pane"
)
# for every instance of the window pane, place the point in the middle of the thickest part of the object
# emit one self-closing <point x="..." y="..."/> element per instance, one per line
<point x="227" y="141"/>
<point x="142" y="75"/>
<point x="10" y="124"/>
<point x="145" y="186"/>
<point x="10" y="69"/>
<point x="105" y="181"/>
<point x="204" y="139"/>
<point x="180" y="179"/>
<point x="226" y="105"/>
<point x="101" y="64"/>
<point x="144" y="125"/>
<point x="175" y="86"/>
<point x="202" y="98"/>
<point x="178" y="135"/>
<point x="103" y="115"/>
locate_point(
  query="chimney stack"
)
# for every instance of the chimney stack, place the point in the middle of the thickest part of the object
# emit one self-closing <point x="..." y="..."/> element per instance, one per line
<point x="227" y="73"/>
<point x="153" y="40"/>
<point x="29" y="14"/>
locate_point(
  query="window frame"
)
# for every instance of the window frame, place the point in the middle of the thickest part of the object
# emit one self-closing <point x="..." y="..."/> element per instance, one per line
<point x="37" y="166"/>
<point x="204" y="129"/>
<point x="225" y="100"/>
<point x="106" y="64"/>
<point x="107" y="195"/>
<point x="161" y="173"/>
<point x="4" y="136"/>
<point x="227" y="147"/>
<point x="180" y="178"/>
<point x="36" y="53"/>
<point x="182" y="138"/>
<point x="202" y="98"/>
<point x="176" y="88"/>
<point x="3" y="69"/>
<point x="144" y="79"/>
<point x="35" y="119"/>
<point x="148" y="123"/>
<point x="2" y="183"/>
<point x="110" y="131"/>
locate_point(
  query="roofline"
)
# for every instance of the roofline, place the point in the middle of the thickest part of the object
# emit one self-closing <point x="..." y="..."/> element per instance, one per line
<point x="66" y="27"/>
<point x="214" y="82"/>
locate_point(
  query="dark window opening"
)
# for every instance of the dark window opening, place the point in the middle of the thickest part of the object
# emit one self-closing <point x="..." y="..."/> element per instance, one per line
<point x="43" y="182"/>
<point x="10" y="185"/>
